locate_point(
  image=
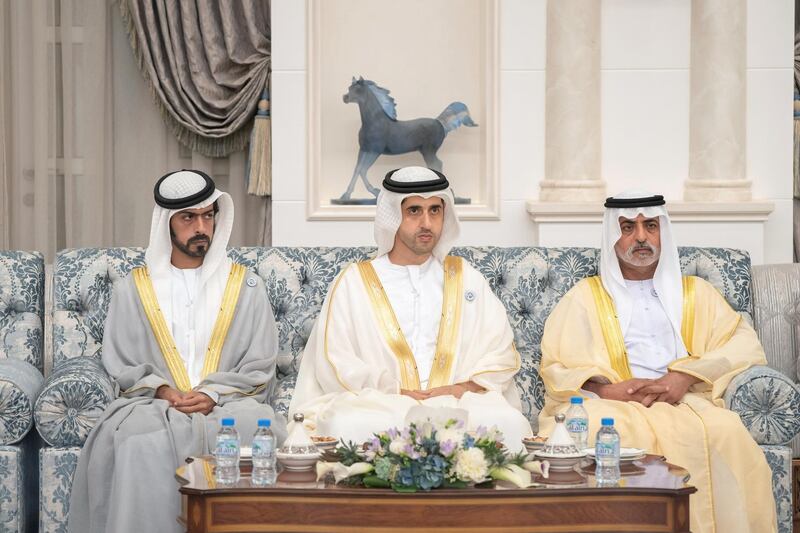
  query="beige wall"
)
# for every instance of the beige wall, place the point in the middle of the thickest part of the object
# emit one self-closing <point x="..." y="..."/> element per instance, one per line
<point x="645" y="121"/>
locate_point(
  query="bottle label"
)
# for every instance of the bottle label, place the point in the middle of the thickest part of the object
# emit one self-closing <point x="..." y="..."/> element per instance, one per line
<point x="577" y="425"/>
<point x="604" y="450"/>
<point x="262" y="448"/>
<point x="227" y="448"/>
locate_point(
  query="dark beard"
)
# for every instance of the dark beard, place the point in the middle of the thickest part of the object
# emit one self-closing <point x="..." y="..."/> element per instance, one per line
<point x="200" y="251"/>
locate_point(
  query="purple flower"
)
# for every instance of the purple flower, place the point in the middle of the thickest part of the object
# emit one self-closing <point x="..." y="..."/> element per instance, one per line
<point x="374" y="444"/>
<point x="393" y="433"/>
<point x="447" y="447"/>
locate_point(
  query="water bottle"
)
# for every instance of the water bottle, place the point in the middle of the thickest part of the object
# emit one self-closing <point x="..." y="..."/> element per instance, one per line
<point x="226" y="453"/>
<point x="577" y="420"/>
<point x="264" y="472"/>
<point x="606" y="450"/>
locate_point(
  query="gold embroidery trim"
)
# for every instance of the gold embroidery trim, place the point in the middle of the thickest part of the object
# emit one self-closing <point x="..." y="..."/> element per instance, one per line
<point x="208" y="473"/>
<point x="706" y="448"/>
<point x="163" y="336"/>
<point x="409" y="376"/>
<point x="224" y="318"/>
<point x="327" y="323"/>
<point x="449" y="322"/>
<point x="166" y="343"/>
<point x="612" y="333"/>
<point x="687" y="322"/>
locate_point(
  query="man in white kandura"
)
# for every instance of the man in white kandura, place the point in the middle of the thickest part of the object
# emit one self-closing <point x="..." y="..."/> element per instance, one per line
<point x="656" y="351"/>
<point x="413" y="326"/>
<point x="189" y="339"/>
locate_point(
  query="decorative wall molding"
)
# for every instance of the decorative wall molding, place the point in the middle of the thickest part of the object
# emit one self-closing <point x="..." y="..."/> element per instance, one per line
<point x="488" y="206"/>
<point x="582" y="212"/>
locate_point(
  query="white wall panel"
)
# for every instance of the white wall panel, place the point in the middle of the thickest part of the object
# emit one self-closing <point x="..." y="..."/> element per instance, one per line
<point x="645" y="130"/>
<point x="651" y="34"/>
<point x="521" y="133"/>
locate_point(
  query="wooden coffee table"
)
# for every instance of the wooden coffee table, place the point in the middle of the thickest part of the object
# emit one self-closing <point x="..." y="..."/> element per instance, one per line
<point x="654" y="496"/>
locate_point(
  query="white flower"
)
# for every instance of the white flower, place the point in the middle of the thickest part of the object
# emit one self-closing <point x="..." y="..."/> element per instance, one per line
<point x="397" y="446"/>
<point x="516" y="475"/>
<point x="454" y="435"/>
<point x="426" y="430"/>
<point x="341" y="471"/>
<point x="471" y="465"/>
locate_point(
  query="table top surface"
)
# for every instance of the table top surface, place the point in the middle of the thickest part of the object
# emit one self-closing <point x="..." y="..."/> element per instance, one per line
<point x="650" y="475"/>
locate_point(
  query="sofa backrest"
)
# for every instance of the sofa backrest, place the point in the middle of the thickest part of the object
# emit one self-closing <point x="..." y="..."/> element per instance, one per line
<point x="22" y="306"/>
<point x="776" y="309"/>
<point x="528" y="280"/>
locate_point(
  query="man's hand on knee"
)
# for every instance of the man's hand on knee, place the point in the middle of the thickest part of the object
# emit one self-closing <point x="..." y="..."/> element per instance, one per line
<point x="416" y="394"/>
<point x="457" y="389"/>
<point x="195" y="402"/>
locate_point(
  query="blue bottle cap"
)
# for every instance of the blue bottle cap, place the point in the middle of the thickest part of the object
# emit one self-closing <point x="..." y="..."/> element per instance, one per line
<point x="264" y="422"/>
<point x="607" y="422"/>
<point x="576" y="400"/>
<point x="227" y="422"/>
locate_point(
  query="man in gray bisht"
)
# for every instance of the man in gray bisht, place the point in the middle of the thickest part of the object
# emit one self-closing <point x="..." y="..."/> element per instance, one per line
<point x="189" y="339"/>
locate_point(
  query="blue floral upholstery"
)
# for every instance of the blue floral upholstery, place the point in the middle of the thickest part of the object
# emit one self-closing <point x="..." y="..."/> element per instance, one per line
<point x="779" y="459"/>
<point x="21" y="306"/>
<point x="56" y="469"/>
<point x="21" y="362"/>
<point x="529" y="282"/>
<point x="12" y="514"/>
<point x="297" y="281"/>
<point x="76" y="395"/>
<point x="768" y="403"/>
<point x="82" y="286"/>
<point x="20" y="383"/>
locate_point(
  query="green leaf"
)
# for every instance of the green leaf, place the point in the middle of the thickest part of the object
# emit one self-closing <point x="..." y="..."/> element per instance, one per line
<point x="403" y="488"/>
<point x="376" y="482"/>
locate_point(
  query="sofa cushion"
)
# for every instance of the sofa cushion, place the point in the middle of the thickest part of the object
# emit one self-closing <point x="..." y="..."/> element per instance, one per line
<point x="21" y="306"/>
<point x="528" y="280"/>
<point x="768" y="402"/>
<point x="82" y="283"/>
<point x="297" y="281"/>
<point x="75" y="396"/>
<point x="20" y="383"/>
<point x="776" y="305"/>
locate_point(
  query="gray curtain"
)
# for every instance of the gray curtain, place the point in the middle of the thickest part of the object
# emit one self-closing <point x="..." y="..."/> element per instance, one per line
<point x="206" y="62"/>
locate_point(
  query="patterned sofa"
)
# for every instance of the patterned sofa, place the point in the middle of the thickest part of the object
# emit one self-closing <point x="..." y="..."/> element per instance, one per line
<point x="21" y="351"/>
<point x="529" y="282"/>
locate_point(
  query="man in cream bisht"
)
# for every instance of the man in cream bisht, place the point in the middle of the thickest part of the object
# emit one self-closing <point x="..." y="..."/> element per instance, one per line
<point x="189" y="339"/>
<point x="413" y="326"/>
<point x="655" y="351"/>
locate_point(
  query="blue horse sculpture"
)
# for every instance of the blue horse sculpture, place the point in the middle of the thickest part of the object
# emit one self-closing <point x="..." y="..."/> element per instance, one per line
<point x="382" y="134"/>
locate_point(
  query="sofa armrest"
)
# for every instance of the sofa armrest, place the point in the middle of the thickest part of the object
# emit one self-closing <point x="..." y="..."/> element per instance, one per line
<point x="768" y="403"/>
<point x="72" y="400"/>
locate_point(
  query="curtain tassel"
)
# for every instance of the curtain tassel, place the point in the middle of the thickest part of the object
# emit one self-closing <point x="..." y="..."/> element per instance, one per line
<point x="259" y="161"/>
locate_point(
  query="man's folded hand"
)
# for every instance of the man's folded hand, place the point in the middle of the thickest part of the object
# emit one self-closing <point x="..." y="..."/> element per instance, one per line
<point x="195" y="402"/>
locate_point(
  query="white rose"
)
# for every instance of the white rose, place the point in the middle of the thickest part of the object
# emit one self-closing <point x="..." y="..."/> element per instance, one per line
<point x="471" y="465"/>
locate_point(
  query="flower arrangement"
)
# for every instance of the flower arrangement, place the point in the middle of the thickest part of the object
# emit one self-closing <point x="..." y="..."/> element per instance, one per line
<point x="425" y="456"/>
